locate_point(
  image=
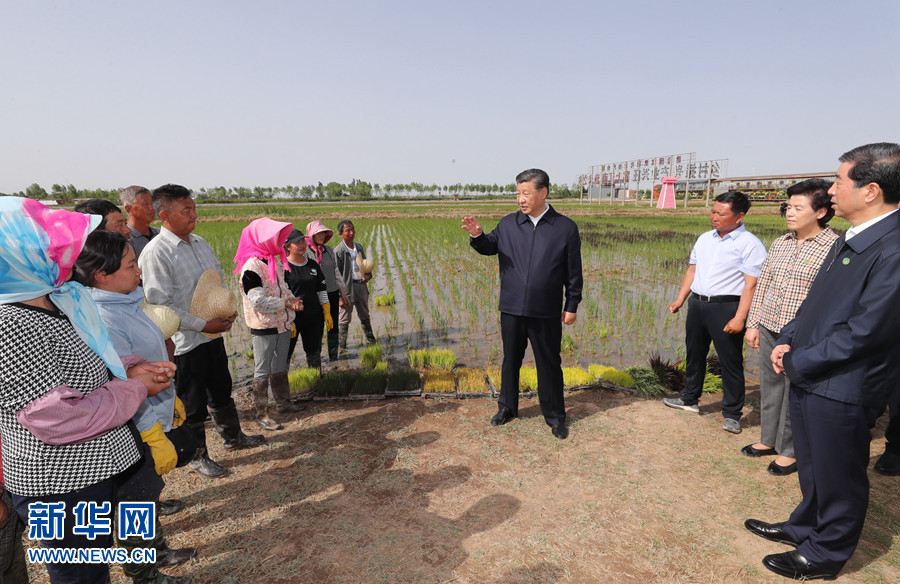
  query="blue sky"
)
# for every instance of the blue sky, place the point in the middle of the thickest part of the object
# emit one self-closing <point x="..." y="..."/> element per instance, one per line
<point x="222" y="93"/>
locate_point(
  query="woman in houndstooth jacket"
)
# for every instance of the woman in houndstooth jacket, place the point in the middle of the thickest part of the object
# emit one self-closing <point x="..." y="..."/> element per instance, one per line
<point x="66" y="397"/>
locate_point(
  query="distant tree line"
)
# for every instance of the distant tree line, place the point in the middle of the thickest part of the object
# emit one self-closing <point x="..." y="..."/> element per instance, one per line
<point x="356" y="189"/>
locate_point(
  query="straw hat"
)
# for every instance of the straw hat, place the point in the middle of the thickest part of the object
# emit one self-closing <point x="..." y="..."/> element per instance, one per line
<point x="212" y="300"/>
<point x="162" y="316"/>
<point x="365" y="266"/>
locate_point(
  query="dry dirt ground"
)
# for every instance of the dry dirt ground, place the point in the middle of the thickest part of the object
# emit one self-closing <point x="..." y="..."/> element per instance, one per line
<point x="416" y="490"/>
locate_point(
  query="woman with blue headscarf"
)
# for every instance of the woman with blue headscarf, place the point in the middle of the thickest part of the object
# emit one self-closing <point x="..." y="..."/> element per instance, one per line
<point x="65" y="395"/>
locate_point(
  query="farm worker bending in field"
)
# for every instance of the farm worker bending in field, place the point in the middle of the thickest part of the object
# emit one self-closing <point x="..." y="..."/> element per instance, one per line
<point x="724" y="266"/>
<point x="356" y="271"/>
<point x="172" y="265"/>
<point x="540" y="279"/>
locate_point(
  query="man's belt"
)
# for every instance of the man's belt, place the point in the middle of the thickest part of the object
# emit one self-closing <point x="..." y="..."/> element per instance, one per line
<point x="703" y="298"/>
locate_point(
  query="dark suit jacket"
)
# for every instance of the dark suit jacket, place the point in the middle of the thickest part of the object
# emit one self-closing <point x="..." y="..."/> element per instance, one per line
<point x="536" y="263"/>
<point x="844" y="337"/>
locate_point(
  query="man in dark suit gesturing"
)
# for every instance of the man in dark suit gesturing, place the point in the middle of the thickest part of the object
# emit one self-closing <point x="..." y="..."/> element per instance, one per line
<point x="540" y="257"/>
<point x="840" y="354"/>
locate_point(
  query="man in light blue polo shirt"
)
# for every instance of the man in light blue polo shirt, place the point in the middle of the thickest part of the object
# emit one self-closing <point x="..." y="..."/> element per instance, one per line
<point x="724" y="266"/>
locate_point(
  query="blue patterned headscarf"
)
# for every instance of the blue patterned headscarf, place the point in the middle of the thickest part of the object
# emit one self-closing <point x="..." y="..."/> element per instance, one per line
<point x="39" y="247"/>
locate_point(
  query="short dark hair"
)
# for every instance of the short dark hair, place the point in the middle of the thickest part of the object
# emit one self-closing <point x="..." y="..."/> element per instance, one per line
<point x="164" y="195"/>
<point x="740" y="203"/>
<point x="876" y="163"/>
<point x="817" y="191"/>
<point x="343" y="224"/>
<point x="102" y="252"/>
<point x="100" y="207"/>
<point x="129" y="196"/>
<point x="540" y="178"/>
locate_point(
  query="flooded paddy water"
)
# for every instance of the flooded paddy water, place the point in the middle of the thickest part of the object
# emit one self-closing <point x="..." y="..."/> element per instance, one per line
<point x="446" y="294"/>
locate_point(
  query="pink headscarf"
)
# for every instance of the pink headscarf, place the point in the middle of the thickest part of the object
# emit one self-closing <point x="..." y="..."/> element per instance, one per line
<point x="312" y="228"/>
<point x="40" y="246"/>
<point x="264" y="239"/>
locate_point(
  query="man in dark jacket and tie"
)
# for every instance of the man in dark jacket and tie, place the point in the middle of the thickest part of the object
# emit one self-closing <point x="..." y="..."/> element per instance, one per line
<point x="840" y="354"/>
<point x="540" y="287"/>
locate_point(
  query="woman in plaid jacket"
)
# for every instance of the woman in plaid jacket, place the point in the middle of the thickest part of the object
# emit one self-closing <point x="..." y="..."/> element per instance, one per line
<point x="788" y="272"/>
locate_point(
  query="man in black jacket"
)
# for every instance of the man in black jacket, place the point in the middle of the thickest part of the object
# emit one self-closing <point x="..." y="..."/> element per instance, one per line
<point x="840" y="354"/>
<point x="540" y="258"/>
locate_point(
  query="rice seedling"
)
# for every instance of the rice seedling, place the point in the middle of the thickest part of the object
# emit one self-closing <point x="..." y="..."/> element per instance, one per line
<point x="370" y="356"/>
<point x="646" y="383"/>
<point x="574" y="376"/>
<point x="371" y="381"/>
<point x="404" y="379"/>
<point x="303" y="380"/>
<point x="528" y="379"/>
<point x="611" y="374"/>
<point x="443" y="358"/>
<point x="434" y="358"/>
<point x="337" y="383"/>
<point x="438" y="381"/>
<point x="419" y="358"/>
<point x="385" y="299"/>
<point x="471" y="380"/>
<point x="494" y="377"/>
<point x="712" y="382"/>
<point x="568" y="344"/>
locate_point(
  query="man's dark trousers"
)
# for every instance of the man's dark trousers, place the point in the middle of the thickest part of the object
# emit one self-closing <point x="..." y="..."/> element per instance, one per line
<point x="545" y="335"/>
<point x="831" y="443"/>
<point x="892" y="432"/>
<point x="706" y="322"/>
<point x="202" y="379"/>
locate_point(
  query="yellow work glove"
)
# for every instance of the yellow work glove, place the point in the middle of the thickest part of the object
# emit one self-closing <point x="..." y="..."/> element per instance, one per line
<point x="329" y="322"/>
<point x="293" y="330"/>
<point x="179" y="417"/>
<point x="164" y="456"/>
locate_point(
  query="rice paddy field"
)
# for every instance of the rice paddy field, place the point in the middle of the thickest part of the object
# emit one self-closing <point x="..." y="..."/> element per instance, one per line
<point x="430" y="289"/>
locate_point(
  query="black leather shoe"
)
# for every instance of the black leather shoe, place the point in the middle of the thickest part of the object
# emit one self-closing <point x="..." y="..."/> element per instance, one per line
<point x="502" y="416"/>
<point x="748" y="450"/>
<point x="793" y="565"/>
<point x="781" y="471"/>
<point x="770" y="531"/>
<point x="170" y="557"/>
<point x="207" y="467"/>
<point x="889" y="463"/>
<point x="560" y="431"/>
<point x="244" y="441"/>
<point x="169" y="506"/>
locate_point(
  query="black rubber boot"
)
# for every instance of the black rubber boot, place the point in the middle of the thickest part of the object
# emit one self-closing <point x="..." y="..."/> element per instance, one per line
<point x="314" y="362"/>
<point x="343" y="332"/>
<point x="229" y="427"/>
<point x="202" y="463"/>
<point x="367" y="329"/>
<point x="281" y="391"/>
<point x="261" y="402"/>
